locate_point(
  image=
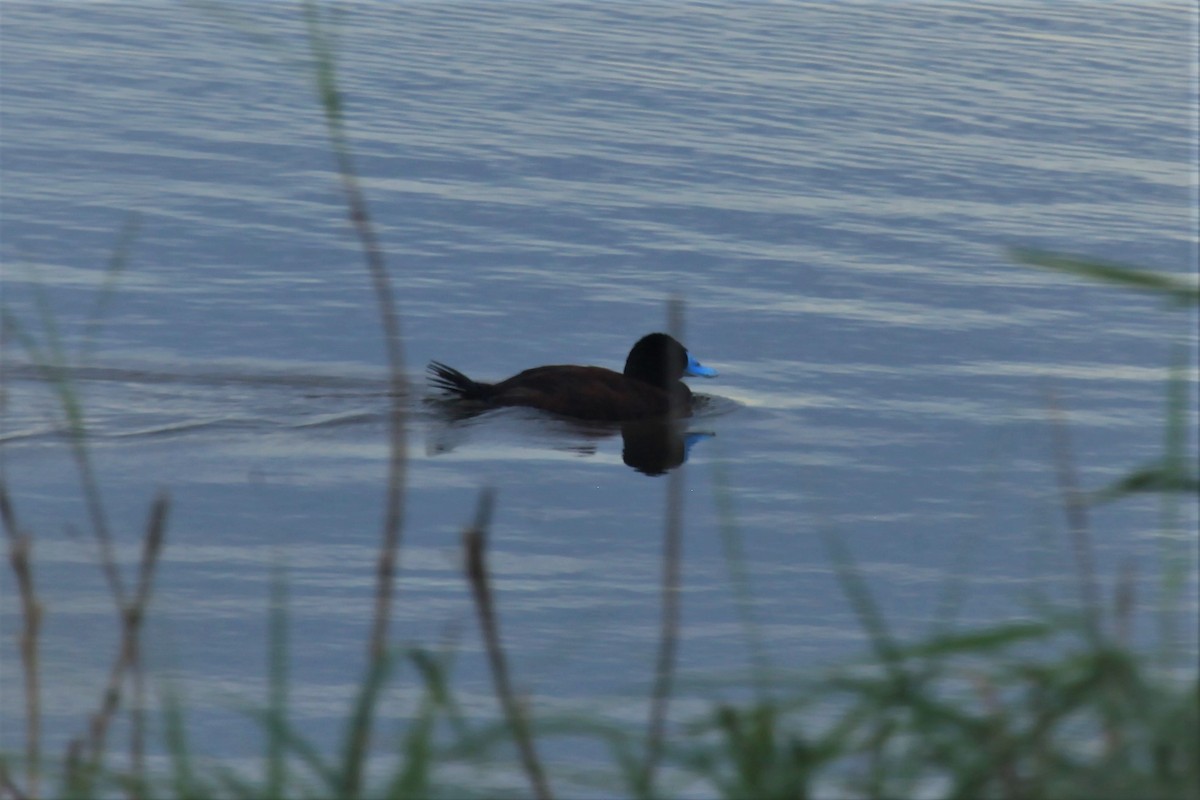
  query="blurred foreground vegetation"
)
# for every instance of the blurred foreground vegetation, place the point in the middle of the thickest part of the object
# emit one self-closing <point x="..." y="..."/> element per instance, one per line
<point x="1062" y="705"/>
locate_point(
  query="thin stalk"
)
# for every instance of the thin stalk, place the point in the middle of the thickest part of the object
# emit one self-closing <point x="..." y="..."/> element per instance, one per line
<point x="137" y="729"/>
<point x="52" y="364"/>
<point x="128" y="654"/>
<point x="735" y="562"/>
<point x="184" y="783"/>
<point x="475" y="547"/>
<point x="117" y="262"/>
<point x="664" y="667"/>
<point x="1006" y="770"/>
<point x="91" y="491"/>
<point x="151" y="546"/>
<point x="1174" y="560"/>
<point x="19" y="544"/>
<point x="349" y="780"/>
<point x="1074" y="504"/>
<point x="7" y="784"/>
<point x="360" y="220"/>
<point x="277" y="650"/>
<point x="1123" y="604"/>
<point x="866" y="609"/>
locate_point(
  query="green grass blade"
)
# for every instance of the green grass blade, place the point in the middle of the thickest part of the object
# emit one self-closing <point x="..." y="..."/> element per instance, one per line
<point x="277" y="678"/>
<point x="864" y="605"/>
<point x="979" y="642"/>
<point x="1159" y="477"/>
<point x="1176" y="563"/>
<point x="359" y="724"/>
<point x="294" y="743"/>
<point x="184" y="782"/>
<point x="118" y="260"/>
<point x="735" y="562"/>
<point x="1180" y="291"/>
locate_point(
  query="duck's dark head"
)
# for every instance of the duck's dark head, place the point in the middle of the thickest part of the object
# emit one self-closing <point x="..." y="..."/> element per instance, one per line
<point x="658" y="359"/>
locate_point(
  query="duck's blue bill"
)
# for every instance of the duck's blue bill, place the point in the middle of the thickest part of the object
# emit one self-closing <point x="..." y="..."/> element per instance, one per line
<point x="694" y="367"/>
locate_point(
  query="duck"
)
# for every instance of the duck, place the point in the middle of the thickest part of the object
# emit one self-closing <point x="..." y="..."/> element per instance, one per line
<point x="650" y="387"/>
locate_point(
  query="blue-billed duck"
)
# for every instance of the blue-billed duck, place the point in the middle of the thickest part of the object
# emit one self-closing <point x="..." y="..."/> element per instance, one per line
<point x="649" y="387"/>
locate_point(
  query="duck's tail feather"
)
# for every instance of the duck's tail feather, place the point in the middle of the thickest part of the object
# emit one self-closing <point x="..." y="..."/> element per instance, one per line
<point x="451" y="381"/>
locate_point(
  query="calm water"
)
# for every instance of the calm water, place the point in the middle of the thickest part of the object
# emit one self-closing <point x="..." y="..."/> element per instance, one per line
<point x="828" y="187"/>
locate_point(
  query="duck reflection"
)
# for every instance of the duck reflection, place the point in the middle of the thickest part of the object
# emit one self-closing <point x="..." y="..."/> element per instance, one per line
<point x="650" y="446"/>
<point x="654" y="447"/>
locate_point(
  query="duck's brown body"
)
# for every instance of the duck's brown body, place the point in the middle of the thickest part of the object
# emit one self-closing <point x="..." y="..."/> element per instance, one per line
<point x="572" y="391"/>
<point x="650" y="386"/>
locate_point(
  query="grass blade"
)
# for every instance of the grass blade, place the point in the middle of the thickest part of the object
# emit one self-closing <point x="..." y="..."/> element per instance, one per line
<point x="1175" y="289"/>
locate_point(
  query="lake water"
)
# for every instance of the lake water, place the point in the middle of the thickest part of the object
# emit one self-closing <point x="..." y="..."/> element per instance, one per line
<point x="830" y="188"/>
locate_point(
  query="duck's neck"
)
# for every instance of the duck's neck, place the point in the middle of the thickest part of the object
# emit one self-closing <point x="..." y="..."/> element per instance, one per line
<point x="653" y="374"/>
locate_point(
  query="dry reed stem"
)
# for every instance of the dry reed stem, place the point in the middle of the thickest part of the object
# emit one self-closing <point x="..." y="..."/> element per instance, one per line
<point x="129" y="652"/>
<point x="360" y="221"/>
<point x="389" y="320"/>
<point x="19" y="545"/>
<point x="8" y="788"/>
<point x="155" y="530"/>
<point x="398" y="389"/>
<point x="475" y="551"/>
<point x="664" y="668"/>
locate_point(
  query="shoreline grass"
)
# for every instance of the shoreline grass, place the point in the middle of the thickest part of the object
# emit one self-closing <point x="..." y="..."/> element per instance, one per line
<point x="1060" y="704"/>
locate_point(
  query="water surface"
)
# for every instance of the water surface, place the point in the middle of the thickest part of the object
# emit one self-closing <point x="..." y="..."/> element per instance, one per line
<point x="830" y="189"/>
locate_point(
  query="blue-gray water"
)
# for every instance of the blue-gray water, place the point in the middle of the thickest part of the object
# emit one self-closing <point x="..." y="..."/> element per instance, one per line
<point x="829" y="187"/>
